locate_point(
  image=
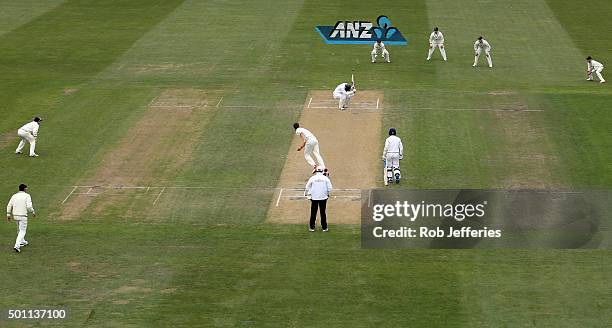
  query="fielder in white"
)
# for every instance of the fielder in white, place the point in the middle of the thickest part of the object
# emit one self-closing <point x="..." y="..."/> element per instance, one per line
<point x="392" y="154"/>
<point x="310" y="144"/>
<point x="29" y="133"/>
<point x="596" y="67"/>
<point x="344" y="92"/>
<point x="479" y="45"/>
<point x="17" y="209"/>
<point x="436" y="40"/>
<point x="379" y="48"/>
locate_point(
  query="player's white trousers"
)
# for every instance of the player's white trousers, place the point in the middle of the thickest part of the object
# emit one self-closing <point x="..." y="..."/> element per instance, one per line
<point x="22" y="225"/>
<point x="385" y="55"/>
<point x="312" y="149"/>
<point x="344" y="98"/>
<point x="432" y="49"/>
<point x="487" y="54"/>
<point x="598" y="73"/>
<point x="26" y="136"/>
<point x="392" y="160"/>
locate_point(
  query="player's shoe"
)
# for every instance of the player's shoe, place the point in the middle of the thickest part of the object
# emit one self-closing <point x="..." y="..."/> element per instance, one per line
<point x="17" y="250"/>
<point x="24" y="243"/>
<point x="604" y="81"/>
<point x="373" y="61"/>
<point x="34" y="155"/>
<point x="397" y="178"/>
<point x="18" y="153"/>
<point x="388" y="61"/>
<point x="474" y="65"/>
<point x="311" y="229"/>
<point x="325" y="230"/>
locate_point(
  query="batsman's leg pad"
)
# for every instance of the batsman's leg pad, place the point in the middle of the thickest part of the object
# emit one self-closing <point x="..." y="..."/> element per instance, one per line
<point x="397" y="174"/>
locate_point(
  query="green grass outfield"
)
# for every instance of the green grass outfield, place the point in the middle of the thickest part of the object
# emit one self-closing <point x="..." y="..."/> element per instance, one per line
<point x="213" y="261"/>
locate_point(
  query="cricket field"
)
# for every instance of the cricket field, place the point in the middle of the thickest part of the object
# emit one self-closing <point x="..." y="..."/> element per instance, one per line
<point x="167" y="136"/>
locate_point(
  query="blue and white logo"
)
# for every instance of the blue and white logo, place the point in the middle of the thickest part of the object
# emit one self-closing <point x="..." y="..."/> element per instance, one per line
<point x="362" y="32"/>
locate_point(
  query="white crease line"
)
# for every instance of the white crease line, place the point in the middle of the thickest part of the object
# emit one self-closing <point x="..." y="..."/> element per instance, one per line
<point x="219" y="103"/>
<point x="349" y="108"/>
<point x="160" y="193"/>
<point x="239" y="106"/>
<point x="90" y="189"/>
<point x="302" y="197"/>
<point x="70" y="194"/>
<point x="370" y="198"/>
<point x="309" y="101"/>
<point x="377" y="101"/>
<point x="279" y="197"/>
<point x="176" y="106"/>
<point x="152" y="101"/>
<point x="329" y="103"/>
<point x="302" y="189"/>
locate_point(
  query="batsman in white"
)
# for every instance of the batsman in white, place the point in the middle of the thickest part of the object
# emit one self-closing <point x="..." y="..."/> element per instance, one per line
<point x="310" y="144"/>
<point x="436" y="40"/>
<point x="392" y="154"/>
<point x="479" y="45"/>
<point x="596" y="67"/>
<point x="379" y="47"/>
<point x="17" y="209"/>
<point x="344" y="92"/>
<point x="29" y="133"/>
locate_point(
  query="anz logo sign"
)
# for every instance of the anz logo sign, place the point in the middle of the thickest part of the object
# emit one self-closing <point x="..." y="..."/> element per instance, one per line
<point x="362" y="32"/>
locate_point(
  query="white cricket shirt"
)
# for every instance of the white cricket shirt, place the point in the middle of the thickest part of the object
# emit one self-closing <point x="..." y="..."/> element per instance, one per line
<point x="19" y="205"/>
<point x="318" y="187"/>
<point x="393" y="144"/>
<point x="31" y="127"/>
<point x="485" y="44"/>
<point x="436" y="37"/>
<point x="308" y="136"/>
<point x="378" y="47"/>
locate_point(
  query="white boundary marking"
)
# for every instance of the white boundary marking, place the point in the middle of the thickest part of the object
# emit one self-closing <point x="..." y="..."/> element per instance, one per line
<point x="159" y="195"/>
<point x="219" y="103"/>
<point x="309" y="101"/>
<point x="280" y="194"/>
<point x="70" y="194"/>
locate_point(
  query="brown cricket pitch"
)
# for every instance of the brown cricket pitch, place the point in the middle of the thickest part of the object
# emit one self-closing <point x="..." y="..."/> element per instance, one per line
<point x="351" y="147"/>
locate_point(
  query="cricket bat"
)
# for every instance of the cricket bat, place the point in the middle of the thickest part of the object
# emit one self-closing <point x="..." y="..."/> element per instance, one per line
<point x="353" y="81"/>
<point x="385" y="172"/>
